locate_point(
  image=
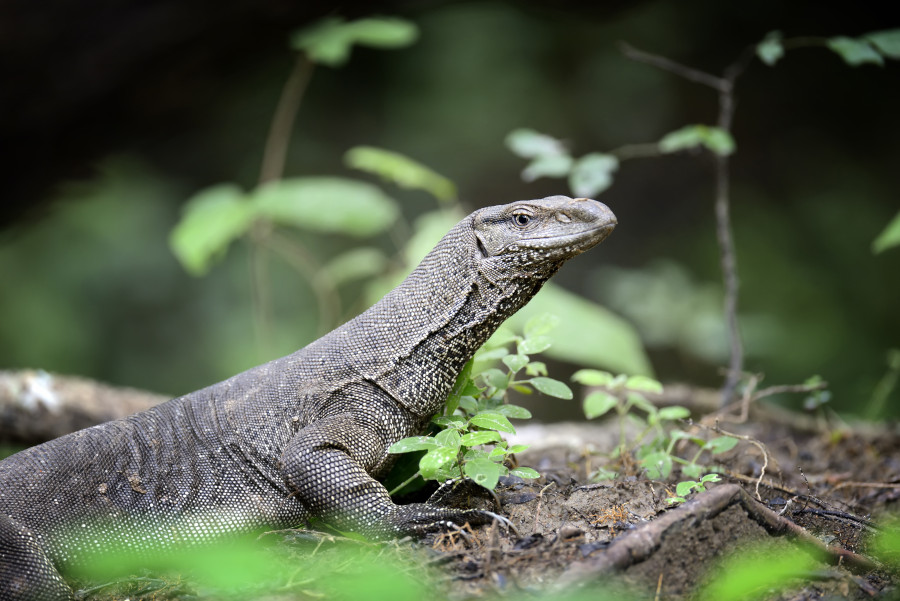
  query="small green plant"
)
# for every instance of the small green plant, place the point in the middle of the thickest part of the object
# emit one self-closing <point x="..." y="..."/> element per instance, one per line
<point x="654" y="445"/>
<point x="470" y="442"/>
<point x="686" y="487"/>
<point x="594" y="172"/>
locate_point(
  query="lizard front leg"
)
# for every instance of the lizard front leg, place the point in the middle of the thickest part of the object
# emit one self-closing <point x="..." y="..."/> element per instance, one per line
<point x="326" y="466"/>
<point x="26" y="572"/>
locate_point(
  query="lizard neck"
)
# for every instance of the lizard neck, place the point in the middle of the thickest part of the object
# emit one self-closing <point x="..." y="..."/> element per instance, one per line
<point x="422" y="333"/>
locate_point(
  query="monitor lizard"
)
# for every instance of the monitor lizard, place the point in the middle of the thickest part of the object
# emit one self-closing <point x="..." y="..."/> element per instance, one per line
<point x="301" y="437"/>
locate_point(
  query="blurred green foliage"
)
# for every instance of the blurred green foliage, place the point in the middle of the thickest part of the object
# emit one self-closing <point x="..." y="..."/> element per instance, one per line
<point x="286" y="564"/>
<point x="755" y="572"/>
<point x="91" y="288"/>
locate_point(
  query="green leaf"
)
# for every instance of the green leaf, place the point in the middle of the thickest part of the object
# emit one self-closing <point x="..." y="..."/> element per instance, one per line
<point x="691" y="470"/>
<point x="592" y="377"/>
<point x="355" y="264"/>
<point x="492" y="355"/>
<point x="714" y="139"/>
<point x="534" y="345"/>
<point x="673" y="413"/>
<point x="547" y="166"/>
<point x="326" y="204"/>
<point x="451" y="421"/>
<point x="492" y="421"/>
<point x="590" y="335"/>
<point x="719" y="141"/>
<point x="211" y="220"/>
<point x="711" y="478"/>
<point x="518" y="448"/>
<point x="435" y="462"/>
<point x="461" y="387"/>
<point x="329" y="41"/>
<point x="401" y="170"/>
<point x="552" y="387"/>
<point x="536" y="368"/>
<point x="598" y="403"/>
<point x="472" y="439"/>
<point x="483" y="472"/>
<point x="592" y="174"/>
<point x="889" y="237"/>
<point x="603" y="474"/>
<point x="514" y="411"/>
<point x="744" y="575"/>
<point x="636" y="399"/>
<point x="498" y="454"/>
<point x="683" y="489"/>
<point x="515" y="362"/>
<point x="643" y="384"/>
<point x="720" y="444"/>
<point x="855" y="51"/>
<point x="886" y="42"/>
<point x="540" y="325"/>
<point x="530" y="144"/>
<point x="525" y="472"/>
<point x="448" y="438"/>
<point x="658" y="465"/>
<point x="468" y="403"/>
<point x="414" y="443"/>
<point x="496" y="378"/>
<point x="770" y="50"/>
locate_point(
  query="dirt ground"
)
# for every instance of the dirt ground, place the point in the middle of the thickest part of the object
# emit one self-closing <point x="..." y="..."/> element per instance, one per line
<point x="826" y="488"/>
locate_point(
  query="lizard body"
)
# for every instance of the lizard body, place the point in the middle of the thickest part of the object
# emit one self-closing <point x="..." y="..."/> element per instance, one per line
<point x="304" y="436"/>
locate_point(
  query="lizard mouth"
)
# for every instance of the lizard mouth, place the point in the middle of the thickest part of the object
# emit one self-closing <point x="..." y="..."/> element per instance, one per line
<point x="582" y="240"/>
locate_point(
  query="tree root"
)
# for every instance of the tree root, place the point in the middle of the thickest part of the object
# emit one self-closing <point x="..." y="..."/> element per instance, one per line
<point x="639" y="545"/>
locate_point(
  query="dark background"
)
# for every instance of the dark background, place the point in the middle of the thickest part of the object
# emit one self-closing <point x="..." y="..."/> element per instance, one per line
<point x="113" y="113"/>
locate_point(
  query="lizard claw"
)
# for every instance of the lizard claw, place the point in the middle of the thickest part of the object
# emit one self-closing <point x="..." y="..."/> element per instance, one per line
<point x="503" y="521"/>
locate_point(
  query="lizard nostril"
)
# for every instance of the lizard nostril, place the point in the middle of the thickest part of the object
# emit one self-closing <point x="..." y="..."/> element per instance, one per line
<point x="563" y="217"/>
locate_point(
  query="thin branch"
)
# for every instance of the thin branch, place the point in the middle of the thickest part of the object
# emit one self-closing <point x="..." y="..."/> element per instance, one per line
<point x="727" y="255"/>
<point x="636" y="151"/>
<point x="260" y="299"/>
<point x="296" y="256"/>
<point x="272" y="168"/>
<point x="671" y="66"/>
<point x="725" y="87"/>
<point x="275" y="151"/>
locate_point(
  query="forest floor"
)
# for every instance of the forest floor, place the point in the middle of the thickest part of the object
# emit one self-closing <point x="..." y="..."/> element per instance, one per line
<point x="803" y="529"/>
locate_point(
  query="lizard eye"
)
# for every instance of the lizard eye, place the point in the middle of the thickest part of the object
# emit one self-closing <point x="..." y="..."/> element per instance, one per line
<point x="521" y="219"/>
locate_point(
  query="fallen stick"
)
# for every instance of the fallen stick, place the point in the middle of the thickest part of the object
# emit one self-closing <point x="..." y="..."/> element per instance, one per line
<point x="640" y="544"/>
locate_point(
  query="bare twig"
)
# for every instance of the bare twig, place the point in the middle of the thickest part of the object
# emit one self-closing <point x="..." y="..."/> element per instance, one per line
<point x="752" y="395"/>
<point x="725" y="87"/>
<point x="636" y="151"/>
<point x="671" y="66"/>
<point x="274" y="155"/>
<point x="641" y="543"/>
<point x="537" y="510"/>
<point x="723" y="227"/>
<point x="276" y="147"/>
<point x="759" y="445"/>
<point x="327" y="298"/>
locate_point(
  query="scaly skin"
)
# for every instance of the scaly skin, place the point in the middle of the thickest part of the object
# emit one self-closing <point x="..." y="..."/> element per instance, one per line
<point x="301" y="437"/>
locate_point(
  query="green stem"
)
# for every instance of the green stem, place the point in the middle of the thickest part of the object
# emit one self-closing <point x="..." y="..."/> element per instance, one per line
<point x="275" y="152"/>
<point x="405" y="483"/>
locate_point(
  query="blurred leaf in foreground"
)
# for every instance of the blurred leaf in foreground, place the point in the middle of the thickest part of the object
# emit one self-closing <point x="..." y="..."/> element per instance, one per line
<point x="330" y="41"/>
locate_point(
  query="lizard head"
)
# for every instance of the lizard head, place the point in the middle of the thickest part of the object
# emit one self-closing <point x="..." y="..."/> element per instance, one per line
<point x="538" y="236"/>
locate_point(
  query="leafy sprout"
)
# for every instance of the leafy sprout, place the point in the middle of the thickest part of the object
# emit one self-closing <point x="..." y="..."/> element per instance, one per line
<point x="470" y="441"/>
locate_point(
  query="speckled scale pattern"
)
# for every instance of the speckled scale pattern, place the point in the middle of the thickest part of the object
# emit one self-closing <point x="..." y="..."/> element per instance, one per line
<point x="300" y="437"/>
